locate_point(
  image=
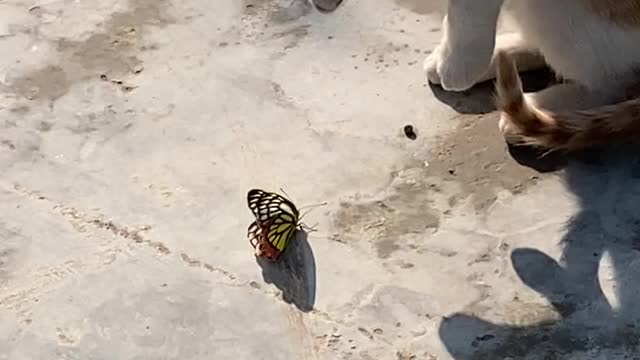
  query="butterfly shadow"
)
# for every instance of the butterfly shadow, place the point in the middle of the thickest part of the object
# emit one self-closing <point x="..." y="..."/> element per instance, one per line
<point x="294" y="274"/>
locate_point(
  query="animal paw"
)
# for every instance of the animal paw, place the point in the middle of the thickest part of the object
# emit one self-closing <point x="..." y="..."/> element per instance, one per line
<point x="430" y="67"/>
<point x="456" y="69"/>
<point x="453" y="71"/>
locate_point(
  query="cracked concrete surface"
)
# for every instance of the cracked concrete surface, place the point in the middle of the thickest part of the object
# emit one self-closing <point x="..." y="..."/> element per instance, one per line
<point x="131" y="131"/>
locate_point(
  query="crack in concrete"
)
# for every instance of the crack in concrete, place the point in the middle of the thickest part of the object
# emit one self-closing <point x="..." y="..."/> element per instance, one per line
<point x="80" y="221"/>
<point x="193" y="262"/>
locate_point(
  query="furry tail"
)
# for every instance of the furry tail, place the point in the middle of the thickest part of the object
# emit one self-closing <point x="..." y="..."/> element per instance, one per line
<point x="572" y="130"/>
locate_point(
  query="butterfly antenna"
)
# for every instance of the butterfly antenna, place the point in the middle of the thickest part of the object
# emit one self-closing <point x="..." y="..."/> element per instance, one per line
<point x="288" y="197"/>
<point x="310" y="207"/>
<point x="303" y="214"/>
<point x="313" y="206"/>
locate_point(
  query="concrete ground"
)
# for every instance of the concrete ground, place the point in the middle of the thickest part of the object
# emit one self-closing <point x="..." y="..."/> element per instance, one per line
<point x="133" y="129"/>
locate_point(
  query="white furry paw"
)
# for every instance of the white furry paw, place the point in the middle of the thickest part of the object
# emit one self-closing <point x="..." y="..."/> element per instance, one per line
<point x="454" y="71"/>
<point x="430" y="67"/>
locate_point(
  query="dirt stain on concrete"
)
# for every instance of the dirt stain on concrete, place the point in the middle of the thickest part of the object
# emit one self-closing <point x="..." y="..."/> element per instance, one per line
<point x="277" y="11"/>
<point x="275" y="20"/>
<point x="293" y="36"/>
<point x="112" y="52"/>
<point x="476" y="156"/>
<point x="404" y="209"/>
<point x="9" y="252"/>
<point x="108" y="54"/>
<point x="49" y="82"/>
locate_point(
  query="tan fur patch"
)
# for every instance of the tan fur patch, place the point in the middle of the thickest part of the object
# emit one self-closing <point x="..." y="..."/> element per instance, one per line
<point x="568" y="131"/>
<point x="621" y="12"/>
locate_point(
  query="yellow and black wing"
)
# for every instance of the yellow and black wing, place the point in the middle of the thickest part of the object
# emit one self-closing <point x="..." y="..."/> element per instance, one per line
<point x="280" y="230"/>
<point x="272" y="239"/>
<point x="267" y="205"/>
<point x="275" y="224"/>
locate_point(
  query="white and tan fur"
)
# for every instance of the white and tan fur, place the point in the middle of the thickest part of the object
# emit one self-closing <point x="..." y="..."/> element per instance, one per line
<point x="593" y="44"/>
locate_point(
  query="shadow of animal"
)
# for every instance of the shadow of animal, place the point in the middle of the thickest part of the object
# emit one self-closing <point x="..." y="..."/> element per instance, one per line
<point x="607" y="184"/>
<point x="480" y="98"/>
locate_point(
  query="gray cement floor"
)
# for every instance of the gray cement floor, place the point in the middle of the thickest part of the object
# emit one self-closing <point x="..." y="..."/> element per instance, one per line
<point x="132" y="130"/>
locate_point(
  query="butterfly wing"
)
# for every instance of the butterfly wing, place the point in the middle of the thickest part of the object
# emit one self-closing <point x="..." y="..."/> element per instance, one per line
<point x="280" y="231"/>
<point x="254" y="199"/>
<point x="254" y="234"/>
<point x="257" y="237"/>
<point x="266" y="206"/>
<point x="275" y="224"/>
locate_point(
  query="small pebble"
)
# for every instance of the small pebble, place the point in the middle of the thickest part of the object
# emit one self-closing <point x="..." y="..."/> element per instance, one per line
<point x="410" y="132"/>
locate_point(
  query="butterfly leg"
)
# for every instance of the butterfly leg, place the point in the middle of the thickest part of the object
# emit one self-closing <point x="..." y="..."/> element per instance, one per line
<point x="308" y="228"/>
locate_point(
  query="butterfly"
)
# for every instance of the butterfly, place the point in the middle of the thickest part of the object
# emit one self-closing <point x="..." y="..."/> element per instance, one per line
<point x="277" y="220"/>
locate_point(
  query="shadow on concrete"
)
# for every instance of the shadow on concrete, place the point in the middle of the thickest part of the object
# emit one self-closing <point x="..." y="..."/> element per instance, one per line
<point x="607" y="184"/>
<point x="294" y="274"/>
<point x="543" y="161"/>
<point x="480" y="98"/>
<point x="326" y="6"/>
<point x="477" y="100"/>
<point x="537" y="159"/>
